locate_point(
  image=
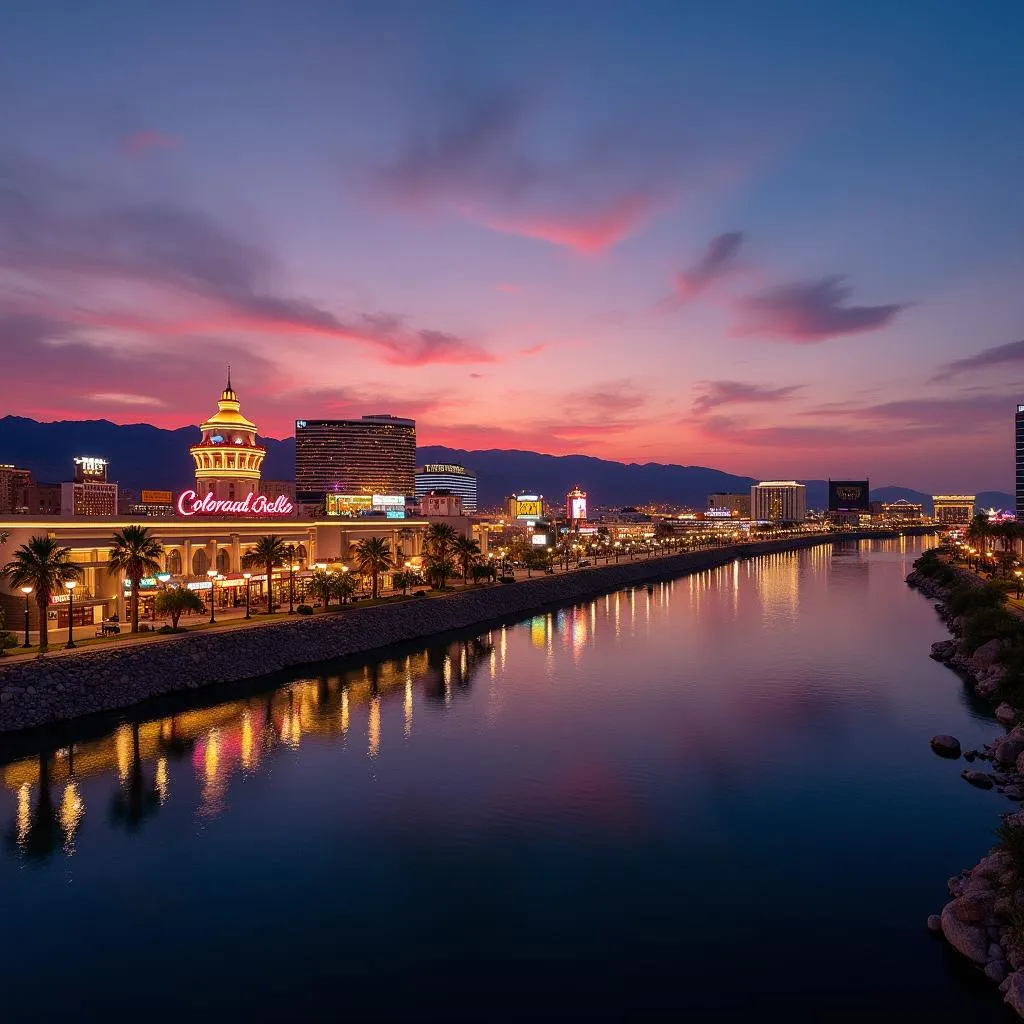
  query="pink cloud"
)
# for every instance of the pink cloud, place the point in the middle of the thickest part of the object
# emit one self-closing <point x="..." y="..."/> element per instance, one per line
<point x="584" y="233"/>
<point x="143" y="142"/>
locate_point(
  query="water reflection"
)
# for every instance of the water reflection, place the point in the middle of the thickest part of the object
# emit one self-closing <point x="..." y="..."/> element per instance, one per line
<point x="214" y="744"/>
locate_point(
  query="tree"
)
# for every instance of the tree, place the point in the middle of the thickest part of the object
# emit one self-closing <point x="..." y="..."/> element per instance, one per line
<point x="486" y="571"/>
<point x="404" y="580"/>
<point x="980" y="530"/>
<point x="268" y="552"/>
<point x="321" y="586"/>
<point x="177" y="600"/>
<point x="467" y="554"/>
<point x="45" y="566"/>
<point x="136" y="553"/>
<point x="374" y="557"/>
<point x="438" y="539"/>
<point x="438" y="570"/>
<point x="344" y="586"/>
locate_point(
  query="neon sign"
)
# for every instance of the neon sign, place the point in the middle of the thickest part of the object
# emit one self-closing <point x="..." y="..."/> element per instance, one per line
<point x="190" y="504"/>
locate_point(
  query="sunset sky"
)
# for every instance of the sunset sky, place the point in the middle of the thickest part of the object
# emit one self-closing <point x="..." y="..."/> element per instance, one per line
<point x="781" y="239"/>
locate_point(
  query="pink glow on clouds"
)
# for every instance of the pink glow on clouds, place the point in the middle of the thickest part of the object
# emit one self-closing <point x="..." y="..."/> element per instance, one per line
<point x="584" y="233"/>
<point x="143" y="142"/>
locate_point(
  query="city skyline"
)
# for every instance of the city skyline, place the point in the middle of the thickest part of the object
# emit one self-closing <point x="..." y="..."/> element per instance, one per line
<point x="764" y="243"/>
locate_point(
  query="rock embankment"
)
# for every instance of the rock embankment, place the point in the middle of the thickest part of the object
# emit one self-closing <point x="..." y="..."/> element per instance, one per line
<point x="43" y="690"/>
<point x="984" y="919"/>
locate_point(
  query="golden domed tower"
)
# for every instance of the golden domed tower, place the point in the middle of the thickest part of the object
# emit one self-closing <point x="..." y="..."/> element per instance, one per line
<point x="228" y="460"/>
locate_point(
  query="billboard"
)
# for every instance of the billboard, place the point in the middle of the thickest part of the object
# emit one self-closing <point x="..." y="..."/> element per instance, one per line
<point x="190" y="504"/>
<point x="529" y="506"/>
<point x="848" y="496"/>
<point x="576" y="505"/>
<point x="347" y="504"/>
<point x="157" y="498"/>
<point x="539" y="540"/>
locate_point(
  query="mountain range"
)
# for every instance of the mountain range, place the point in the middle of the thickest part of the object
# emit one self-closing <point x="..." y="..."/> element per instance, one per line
<point x="144" y="456"/>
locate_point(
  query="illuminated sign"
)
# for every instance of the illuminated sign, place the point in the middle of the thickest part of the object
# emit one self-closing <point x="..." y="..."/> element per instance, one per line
<point x="190" y="504"/>
<point x="718" y="513"/>
<point x="387" y="501"/>
<point x="145" y="583"/>
<point x="89" y="465"/>
<point x="539" y="539"/>
<point x="444" y="468"/>
<point x="578" y="507"/>
<point x="347" y="504"/>
<point x="394" y="513"/>
<point x="528" y="506"/>
<point x="157" y="498"/>
<point x="848" y="496"/>
<point x="200" y="585"/>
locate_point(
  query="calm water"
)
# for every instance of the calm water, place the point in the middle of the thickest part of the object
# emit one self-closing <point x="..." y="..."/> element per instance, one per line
<point x="714" y="794"/>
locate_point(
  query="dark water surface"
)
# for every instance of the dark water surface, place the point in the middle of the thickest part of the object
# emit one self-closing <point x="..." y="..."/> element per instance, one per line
<point x="710" y="795"/>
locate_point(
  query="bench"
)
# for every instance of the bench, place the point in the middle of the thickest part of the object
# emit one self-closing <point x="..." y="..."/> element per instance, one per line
<point x="108" y="629"/>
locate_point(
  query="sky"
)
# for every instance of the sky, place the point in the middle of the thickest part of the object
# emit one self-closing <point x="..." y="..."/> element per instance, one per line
<point x="780" y="239"/>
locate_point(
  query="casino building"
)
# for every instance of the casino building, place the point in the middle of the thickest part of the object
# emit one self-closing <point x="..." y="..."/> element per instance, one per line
<point x="448" y="477"/>
<point x="215" y="522"/>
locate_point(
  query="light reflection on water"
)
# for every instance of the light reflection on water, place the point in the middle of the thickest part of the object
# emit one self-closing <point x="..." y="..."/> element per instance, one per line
<point x="625" y="799"/>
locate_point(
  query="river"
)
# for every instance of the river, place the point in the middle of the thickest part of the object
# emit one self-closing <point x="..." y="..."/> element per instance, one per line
<point x="711" y="795"/>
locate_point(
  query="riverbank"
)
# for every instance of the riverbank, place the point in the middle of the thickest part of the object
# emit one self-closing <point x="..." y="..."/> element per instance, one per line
<point x="984" y="919"/>
<point x="44" y="690"/>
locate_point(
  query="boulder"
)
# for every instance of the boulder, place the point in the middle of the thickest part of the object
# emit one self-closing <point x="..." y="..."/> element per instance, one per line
<point x="995" y="952"/>
<point x="934" y="923"/>
<point x="970" y="755"/>
<point x="1015" y="992"/>
<point x="946" y="746"/>
<point x="967" y="939"/>
<point x="973" y="907"/>
<point x="986" y="655"/>
<point x="1007" y="751"/>
<point x="1014" y="792"/>
<point x="979" y="779"/>
<point x="997" y="970"/>
<point x="1006" y="714"/>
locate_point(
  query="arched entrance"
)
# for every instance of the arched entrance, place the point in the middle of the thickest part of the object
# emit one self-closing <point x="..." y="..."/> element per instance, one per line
<point x="223" y="560"/>
<point x="200" y="563"/>
<point x="174" y="562"/>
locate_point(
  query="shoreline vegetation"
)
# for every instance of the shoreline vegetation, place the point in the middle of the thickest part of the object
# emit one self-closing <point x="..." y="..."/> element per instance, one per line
<point x="984" y="918"/>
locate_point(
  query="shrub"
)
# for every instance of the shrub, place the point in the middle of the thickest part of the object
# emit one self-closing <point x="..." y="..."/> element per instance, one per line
<point x="304" y="609"/>
<point x="984" y="624"/>
<point x="7" y="641"/>
<point x="145" y="628"/>
<point x="167" y="629"/>
<point x="420" y="593"/>
<point x="967" y="599"/>
<point x="506" y="579"/>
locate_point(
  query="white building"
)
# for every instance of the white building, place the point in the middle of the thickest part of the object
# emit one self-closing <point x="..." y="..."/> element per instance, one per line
<point x="448" y="477"/>
<point x="778" y="501"/>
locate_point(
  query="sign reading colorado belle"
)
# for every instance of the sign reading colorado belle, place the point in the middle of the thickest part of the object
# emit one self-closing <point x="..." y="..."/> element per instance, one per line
<point x="190" y="504"/>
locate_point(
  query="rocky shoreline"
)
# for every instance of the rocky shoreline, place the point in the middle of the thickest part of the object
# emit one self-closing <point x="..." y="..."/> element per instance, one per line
<point x="984" y="919"/>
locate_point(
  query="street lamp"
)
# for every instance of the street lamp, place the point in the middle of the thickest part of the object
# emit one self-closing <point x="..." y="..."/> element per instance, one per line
<point x="69" y="586"/>
<point x="1016" y="572"/>
<point x="292" y="566"/>
<point x="26" y="590"/>
<point x="247" y="576"/>
<point x="212" y="573"/>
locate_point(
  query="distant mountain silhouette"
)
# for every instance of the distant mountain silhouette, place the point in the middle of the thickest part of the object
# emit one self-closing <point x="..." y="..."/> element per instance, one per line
<point x="143" y="456"/>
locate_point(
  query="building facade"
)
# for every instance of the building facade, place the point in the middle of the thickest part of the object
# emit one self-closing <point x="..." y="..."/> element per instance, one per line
<point x="227" y="458"/>
<point x="372" y="455"/>
<point x="440" y="503"/>
<point x="778" y="501"/>
<point x="953" y="509"/>
<point x="1019" y="441"/>
<point x="448" y="477"/>
<point x="13" y="485"/>
<point x="737" y="504"/>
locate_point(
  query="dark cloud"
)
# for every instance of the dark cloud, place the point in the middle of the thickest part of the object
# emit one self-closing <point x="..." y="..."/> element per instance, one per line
<point x="48" y="225"/>
<point x="1010" y="354"/>
<point x="718" y="260"/>
<point x="810" y="311"/>
<point x="715" y="393"/>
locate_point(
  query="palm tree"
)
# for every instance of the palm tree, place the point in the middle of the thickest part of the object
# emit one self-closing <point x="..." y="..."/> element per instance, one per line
<point x="439" y="539"/>
<point x="979" y="530"/>
<point x="174" y="602"/>
<point x="267" y="552"/>
<point x="373" y="557"/>
<point x="344" y="586"/>
<point x="136" y="553"/>
<point x="45" y="566"/>
<point x="321" y="585"/>
<point x="467" y="553"/>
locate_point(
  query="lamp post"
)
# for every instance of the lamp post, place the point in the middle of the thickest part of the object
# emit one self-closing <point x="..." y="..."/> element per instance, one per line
<point x="291" y="587"/>
<point x="26" y="590"/>
<point x="247" y="576"/>
<point x="212" y="573"/>
<point x="1017" y="573"/>
<point x="69" y="586"/>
